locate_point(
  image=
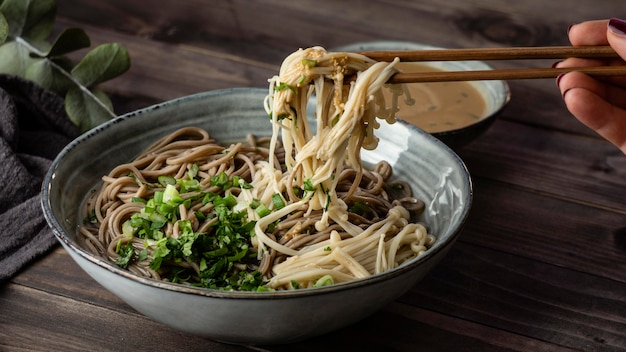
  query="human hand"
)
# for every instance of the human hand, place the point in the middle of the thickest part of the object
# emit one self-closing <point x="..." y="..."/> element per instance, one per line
<point x="600" y="104"/>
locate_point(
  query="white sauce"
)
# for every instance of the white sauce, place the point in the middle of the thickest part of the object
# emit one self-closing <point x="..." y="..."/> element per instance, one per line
<point x="439" y="106"/>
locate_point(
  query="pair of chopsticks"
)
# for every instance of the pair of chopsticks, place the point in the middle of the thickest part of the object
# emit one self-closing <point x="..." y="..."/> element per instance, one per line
<point x="486" y="54"/>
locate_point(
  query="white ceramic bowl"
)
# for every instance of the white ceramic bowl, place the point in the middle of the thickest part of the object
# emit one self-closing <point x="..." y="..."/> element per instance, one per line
<point x="436" y="174"/>
<point x="495" y="93"/>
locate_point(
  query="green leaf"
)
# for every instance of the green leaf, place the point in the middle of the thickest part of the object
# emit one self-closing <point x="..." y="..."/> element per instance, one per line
<point x="25" y="50"/>
<point x="69" y="40"/>
<point x="15" y="58"/>
<point x="50" y="75"/>
<point x="126" y="253"/>
<point x="29" y="19"/>
<point x="88" y="109"/>
<point x="4" y="28"/>
<point x="105" y="62"/>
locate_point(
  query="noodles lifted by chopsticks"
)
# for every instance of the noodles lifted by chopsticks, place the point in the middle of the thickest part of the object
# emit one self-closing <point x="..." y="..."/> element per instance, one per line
<point x="291" y="211"/>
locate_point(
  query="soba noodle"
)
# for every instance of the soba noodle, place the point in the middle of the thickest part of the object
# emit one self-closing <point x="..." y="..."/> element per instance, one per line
<point x="293" y="210"/>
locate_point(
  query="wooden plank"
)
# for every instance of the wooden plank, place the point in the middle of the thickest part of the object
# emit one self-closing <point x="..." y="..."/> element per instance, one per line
<point x="549" y="230"/>
<point x="277" y="27"/>
<point x="161" y="71"/>
<point x="409" y="328"/>
<point x="68" y="280"/>
<point x="538" y="103"/>
<point x="67" y="324"/>
<point x="586" y="170"/>
<point x="525" y="296"/>
<point x="80" y="324"/>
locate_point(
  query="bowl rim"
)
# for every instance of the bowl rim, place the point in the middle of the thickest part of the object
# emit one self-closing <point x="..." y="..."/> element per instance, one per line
<point x="69" y="243"/>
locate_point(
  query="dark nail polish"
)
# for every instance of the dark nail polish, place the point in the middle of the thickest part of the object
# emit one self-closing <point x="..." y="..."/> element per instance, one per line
<point x="558" y="79"/>
<point x="617" y="26"/>
<point x="569" y="28"/>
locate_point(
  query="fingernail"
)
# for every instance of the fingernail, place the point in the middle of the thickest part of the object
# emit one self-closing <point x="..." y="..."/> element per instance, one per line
<point x="558" y="79"/>
<point x="556" y="64"/>
<point x="570" y="28"/>
<point x="618" y="27"/>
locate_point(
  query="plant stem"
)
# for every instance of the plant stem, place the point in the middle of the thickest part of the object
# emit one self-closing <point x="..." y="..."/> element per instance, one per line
<point x="84" y="89"/>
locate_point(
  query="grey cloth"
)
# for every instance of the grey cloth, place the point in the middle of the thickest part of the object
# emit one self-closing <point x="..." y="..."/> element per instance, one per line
<point x="33" y="129"/>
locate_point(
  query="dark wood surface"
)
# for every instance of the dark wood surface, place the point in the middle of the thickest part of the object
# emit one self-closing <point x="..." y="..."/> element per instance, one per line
<point x="541" y="264"/>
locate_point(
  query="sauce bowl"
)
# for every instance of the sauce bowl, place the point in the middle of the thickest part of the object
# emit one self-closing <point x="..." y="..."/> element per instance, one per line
<point x="445" y="101"/>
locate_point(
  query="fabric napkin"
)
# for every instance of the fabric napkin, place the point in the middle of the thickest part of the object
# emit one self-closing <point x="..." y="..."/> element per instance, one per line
<point x="33" y="129"/>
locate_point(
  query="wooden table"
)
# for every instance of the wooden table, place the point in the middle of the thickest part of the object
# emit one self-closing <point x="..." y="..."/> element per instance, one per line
<point x="541" y="264"/>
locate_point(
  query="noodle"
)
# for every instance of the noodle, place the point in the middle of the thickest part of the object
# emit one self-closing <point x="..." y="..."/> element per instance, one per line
<point x="293" y="210"/>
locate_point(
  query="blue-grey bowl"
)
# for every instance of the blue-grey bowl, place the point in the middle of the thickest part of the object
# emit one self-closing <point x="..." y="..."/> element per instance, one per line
<point x="435" y="172"/>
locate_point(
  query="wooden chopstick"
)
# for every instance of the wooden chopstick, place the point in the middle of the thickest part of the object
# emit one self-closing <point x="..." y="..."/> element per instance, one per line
<point x="486" y="54"/>
<point x="503" y="74"/>
<point x="514" y="53"/>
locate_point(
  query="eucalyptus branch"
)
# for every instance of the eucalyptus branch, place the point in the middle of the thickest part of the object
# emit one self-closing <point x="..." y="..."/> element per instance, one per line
<point x="25" y="26"/>
<point x="28" y="46"/>
<point x="68" y="75"/>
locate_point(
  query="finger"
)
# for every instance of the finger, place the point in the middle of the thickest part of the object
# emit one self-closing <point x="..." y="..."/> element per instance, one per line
<point x="616" y="36"/>
<point x="577" y="62"/>
<point x="610" y="93"/>
<point x="589" y="33"/>
<point x="580" y="62"/>
<point x="590" y="108"/>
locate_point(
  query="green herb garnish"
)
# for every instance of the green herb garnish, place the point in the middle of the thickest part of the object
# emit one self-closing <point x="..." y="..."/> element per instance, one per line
<point x="309" y="63"/>
<point x="325" y="280"/>
<point x="283" y="86"/>
<point x="126" y="253"/>
<point x="222" y="252"/>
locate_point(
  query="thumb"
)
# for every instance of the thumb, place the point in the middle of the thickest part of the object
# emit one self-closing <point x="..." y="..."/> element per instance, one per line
<point x="616" y="35"/>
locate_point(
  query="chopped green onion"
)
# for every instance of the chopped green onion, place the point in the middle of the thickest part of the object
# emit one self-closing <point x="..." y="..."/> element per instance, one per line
<point x="189" y="185"/>
<point x="283" y="86"/>
<point x="143" y="254"/>
<point x="138" y="200"/>
<point x="325" y="280"/>
<point x="200" y="215"/>
<point x="221" y="180"/>
<point x="308" y="185"/>
<point x="262" y="210"/>
<point x="255" y="203"/>
<point x="229" y="201"/>
<point x="165" y="180"/>
<point x="278" y="201"/>
<point x="128" y="230"/>
<point x="193" y="171"/>
<point x="359" y="208"/>
<point x="171" y="195"/>
<point x="309" y="63"/>
<point x="126" y="253"/>
<point x="283" y="116"/>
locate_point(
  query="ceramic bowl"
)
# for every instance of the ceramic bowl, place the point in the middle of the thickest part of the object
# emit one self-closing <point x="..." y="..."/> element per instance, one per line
<point x="495" y="94"/>
<point x="435" y="172"/>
